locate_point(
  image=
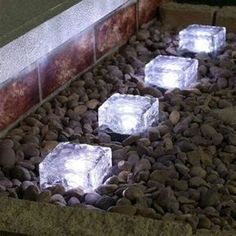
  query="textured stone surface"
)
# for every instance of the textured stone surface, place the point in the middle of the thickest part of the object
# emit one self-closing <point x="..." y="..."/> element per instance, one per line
<point x="226" y="16"/>
<point x="66" y="61"/>
<point x="172" y="13"/>
<point x="25" y="217"/>
<point x="18" y="96"/>
<point x="115" y="30"/>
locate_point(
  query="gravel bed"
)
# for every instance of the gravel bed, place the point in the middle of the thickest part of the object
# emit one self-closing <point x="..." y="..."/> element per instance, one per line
<point x="184" y="169"/>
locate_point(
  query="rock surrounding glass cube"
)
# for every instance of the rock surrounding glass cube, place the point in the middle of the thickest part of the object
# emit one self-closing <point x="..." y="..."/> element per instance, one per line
<point x="171" y="72"/>
<point x="202" y="38"/>
<point x="128" y="114"/>
<point x="75" y="165"/>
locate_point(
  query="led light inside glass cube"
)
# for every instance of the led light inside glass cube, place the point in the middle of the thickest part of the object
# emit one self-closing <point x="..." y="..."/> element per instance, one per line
<point x="75" y="166"/>
<point x="171" y="72"/>
<point x="202" y="38"/>
<point x="128" y="114"/>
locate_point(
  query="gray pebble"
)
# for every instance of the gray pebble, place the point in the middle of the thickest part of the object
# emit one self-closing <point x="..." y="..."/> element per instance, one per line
<point x="179" y="185"/>
<point x="5" y="182"/>
<point x="194" y="157"/>
<point x="142" y="164"/>
<point x="133" y="158"/>
<point x="7" y="157"/>
<point x="182" y="169"/>
<point x="167" y="200"/>
<point x="197" y="182"/>
<point x="30" y="149"/>
<point x="112" y="180"/>
<point x="105" y="202"/>
<point x="124" y="165"/>
<point x="198" y="171"/>
<point x="146" y="212"/>
<point x="44" y="196"/>
<point x="232" y="139"/>
<point x="57" y="198"/>
<point x="123" y="201"/>
<point x="154" y="134"/>
<point x="16" y="182"/>
<point x="183" y="124"/>
<point x="133" y="193"/>
<point x="185" y="145"/>
<point x="73" y="201"/>
<point x="106" y="189"/>
<point x="174" y="117"/>
<point x="31" y="193"/>
<point x="151" y="91"/>
<point x="210" y="198"/>
<point x="20" y="173"/>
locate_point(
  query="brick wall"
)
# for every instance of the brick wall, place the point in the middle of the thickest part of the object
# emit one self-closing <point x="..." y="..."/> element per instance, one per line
<point x="26" y="90"/>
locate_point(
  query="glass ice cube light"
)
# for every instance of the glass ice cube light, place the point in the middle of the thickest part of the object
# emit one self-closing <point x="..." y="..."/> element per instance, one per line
<point x="202" y="38"/>
<point x="128" y="114"/>
<point x="171" y="72"/>
<point x="75" y="165"/>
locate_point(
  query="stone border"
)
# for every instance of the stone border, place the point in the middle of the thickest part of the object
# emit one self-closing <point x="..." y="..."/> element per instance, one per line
<point x="226" y="16"/>
<point x="32" y="218"/>
<point x="204" y="232"/>
<point x="21" y="217"/>
<point x="181" y="15"/>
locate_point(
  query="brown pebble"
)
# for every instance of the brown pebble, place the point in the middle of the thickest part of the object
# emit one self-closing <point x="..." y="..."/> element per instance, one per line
<point x="106" y="189"/>
<point x="57" y="198"/>
<point x="174" y="117"/>
<point x="7" y="157"/>
<point x="133" y="193"/>
<point x="81" y="109"/>
<point x="92" y="104"/>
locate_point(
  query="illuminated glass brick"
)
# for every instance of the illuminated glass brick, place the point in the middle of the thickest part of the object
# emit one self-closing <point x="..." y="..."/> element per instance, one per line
<point x="128" y="114"/>
<point x="202" y="38"/>
<point x="75" y="166"/>
<point x="171" y="72"/>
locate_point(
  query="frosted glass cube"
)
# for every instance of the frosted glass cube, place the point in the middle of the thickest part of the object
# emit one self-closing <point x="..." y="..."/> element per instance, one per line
<point x="128" y="114"/>
<point x="202" y="38"/>
<point x="171" y="72"/>
<point x="75" y="165"/>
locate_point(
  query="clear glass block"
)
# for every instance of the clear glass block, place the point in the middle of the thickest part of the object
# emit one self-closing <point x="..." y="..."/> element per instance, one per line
<point x="75" y="166"/>
<point x="171" y="72"/>
<point x="202" y="39"/>
<point x="128" y="114"/>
